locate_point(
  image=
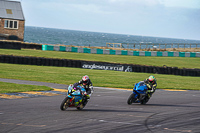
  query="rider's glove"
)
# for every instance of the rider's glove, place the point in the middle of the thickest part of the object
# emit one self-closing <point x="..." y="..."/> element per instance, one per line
<point x="84" y="93"/>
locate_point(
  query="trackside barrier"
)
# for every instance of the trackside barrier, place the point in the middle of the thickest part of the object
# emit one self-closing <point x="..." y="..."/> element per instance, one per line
<point x="18" y="45"/>
<point x="10" y="45"/>
<point x="31" y="46"/>
<point x="121" y="52"/>
<point x="40" y="61"/>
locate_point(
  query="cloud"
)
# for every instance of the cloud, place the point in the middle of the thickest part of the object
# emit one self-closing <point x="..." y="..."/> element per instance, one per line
<point x="90" y="8"/>
<point x="181" y="3"/>
<point x="137" y="2"/>
<point x="166" y="3"/>
<point x="165" y="18"/>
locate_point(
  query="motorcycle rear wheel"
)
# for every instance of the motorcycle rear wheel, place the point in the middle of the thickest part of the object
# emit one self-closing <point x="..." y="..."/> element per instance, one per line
<point x="65" y="103"/>
<point x="131" y="99"/>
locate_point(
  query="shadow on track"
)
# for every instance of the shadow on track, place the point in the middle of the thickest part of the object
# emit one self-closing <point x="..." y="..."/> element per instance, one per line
<point x="107" y="110"/>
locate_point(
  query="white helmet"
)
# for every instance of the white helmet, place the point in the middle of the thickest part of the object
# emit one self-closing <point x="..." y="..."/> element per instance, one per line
<point x="85" y="80"/>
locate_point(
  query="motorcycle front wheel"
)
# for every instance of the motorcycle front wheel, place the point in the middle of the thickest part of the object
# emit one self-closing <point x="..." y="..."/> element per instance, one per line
<point x="131" y="99"/>
<point x="65" y="103"/>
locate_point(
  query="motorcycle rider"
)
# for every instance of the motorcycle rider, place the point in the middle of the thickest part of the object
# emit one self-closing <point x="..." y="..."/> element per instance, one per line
<point x="151" y="84"/>
<point x="87" y="84"/>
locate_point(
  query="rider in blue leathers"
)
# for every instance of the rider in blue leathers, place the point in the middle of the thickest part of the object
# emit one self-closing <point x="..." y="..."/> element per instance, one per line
<point x="86" y="83"/>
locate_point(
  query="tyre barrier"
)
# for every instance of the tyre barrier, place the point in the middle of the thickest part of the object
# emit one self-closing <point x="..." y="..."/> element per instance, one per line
<point x="31" y="46"/>
<point x="18" y="45"/>
<point x="10" y="45"/>
<point x="40" y="61"/>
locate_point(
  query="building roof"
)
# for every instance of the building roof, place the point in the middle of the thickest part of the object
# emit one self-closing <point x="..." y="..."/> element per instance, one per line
<point x="11" y="10"/>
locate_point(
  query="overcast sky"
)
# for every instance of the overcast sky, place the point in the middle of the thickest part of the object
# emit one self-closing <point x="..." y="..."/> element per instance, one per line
<point x="158" y="18"/>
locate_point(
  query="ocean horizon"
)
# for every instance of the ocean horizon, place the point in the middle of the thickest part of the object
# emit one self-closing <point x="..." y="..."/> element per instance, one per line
<point x="52" y="36"/>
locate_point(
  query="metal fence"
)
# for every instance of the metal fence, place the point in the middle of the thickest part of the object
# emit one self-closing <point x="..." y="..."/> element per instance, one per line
<point x="152" y="45"/>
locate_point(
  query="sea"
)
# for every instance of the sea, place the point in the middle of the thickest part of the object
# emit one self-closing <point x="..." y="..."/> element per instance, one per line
<point x="97" y="39"/>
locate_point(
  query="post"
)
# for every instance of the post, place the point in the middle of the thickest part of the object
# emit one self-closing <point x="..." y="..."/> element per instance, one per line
<point x="140" y="45"/>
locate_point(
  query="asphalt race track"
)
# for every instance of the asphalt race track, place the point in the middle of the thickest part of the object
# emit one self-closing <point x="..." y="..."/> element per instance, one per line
<point x="106" y="112"/>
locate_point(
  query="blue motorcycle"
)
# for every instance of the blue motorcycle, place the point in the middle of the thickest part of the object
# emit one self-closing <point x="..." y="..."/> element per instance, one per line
<point x="139" y="94"/>
<point x="74" y="98"/>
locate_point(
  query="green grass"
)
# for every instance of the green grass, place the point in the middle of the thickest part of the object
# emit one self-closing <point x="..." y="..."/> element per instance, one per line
<point x="180" y="62"/>
<point x="101" y="78"/>
<point x="12" y="88"/>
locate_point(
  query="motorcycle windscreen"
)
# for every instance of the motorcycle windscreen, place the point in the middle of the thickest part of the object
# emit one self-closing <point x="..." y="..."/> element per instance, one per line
<point x="76" y="93"/>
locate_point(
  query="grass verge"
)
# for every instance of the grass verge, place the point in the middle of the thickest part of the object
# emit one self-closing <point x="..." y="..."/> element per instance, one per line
<point x="180" y="62"/>
<point x="101" y="78"/>
<point x="12" y="88"/>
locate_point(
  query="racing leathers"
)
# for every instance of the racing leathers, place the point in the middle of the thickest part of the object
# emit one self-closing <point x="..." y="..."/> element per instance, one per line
<point x="88" y="87"/>
<point x="151" y="86"/>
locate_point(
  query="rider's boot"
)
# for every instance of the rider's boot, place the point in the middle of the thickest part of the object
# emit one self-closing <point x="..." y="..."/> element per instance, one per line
<point x="88" y="96"/>
<point x="79" y="104"/>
